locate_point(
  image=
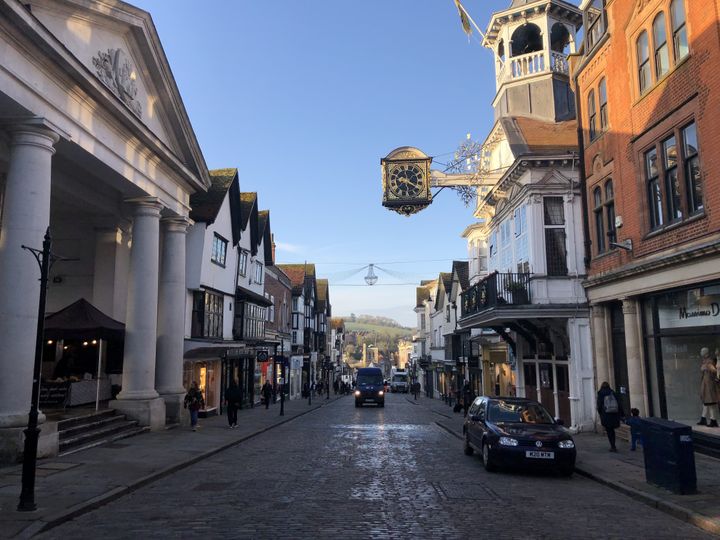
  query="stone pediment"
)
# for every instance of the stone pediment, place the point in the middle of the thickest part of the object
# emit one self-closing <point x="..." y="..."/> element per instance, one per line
<point x="120" y="48"/>
<point x="555" y="177"/>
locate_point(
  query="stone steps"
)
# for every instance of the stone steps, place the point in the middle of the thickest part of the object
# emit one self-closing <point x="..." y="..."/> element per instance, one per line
<point x="92" y="430"/>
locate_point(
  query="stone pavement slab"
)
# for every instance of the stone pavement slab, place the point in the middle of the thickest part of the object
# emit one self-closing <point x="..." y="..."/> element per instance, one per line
<point x="625" y="472"/>
<point x="71" y="485"/>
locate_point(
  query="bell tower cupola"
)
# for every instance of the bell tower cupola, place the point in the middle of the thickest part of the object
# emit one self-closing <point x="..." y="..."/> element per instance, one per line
<point x="531" y="41"/>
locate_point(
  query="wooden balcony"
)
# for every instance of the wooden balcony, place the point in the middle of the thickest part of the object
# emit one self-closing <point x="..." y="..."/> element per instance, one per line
<point x="497" y="289"/>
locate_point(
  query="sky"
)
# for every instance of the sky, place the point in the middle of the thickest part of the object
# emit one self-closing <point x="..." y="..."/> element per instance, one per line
<point x="304" y="97"/>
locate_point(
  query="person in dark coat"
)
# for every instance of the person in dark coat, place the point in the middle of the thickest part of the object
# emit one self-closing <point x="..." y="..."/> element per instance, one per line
<point x="468" y="397"/>
<point x="194" y="401"/>
<point x="267" y="393"/>
<point x="232" y="401"/>
<point x="610" y="410"/>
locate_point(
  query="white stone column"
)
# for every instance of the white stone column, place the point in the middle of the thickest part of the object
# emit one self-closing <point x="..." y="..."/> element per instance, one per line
<point x="138" y="398"/>
<point x="171" y="317"/>
<point x="632" y="350"/>
<point x="25" y="218"/>
<point x="600" y="345"/>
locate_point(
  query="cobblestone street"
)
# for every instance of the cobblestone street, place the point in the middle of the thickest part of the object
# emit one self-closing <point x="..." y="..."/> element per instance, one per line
<point x="342" y="472"/>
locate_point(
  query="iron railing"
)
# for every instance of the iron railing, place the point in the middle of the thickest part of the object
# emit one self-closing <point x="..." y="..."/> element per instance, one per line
<point x="497" y="289"/>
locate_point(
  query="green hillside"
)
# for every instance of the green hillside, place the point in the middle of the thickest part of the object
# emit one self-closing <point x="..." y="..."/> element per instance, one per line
<point x="384" y="333"/>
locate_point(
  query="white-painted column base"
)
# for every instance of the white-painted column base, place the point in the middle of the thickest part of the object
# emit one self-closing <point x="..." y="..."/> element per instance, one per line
<point x="148" y="412"/>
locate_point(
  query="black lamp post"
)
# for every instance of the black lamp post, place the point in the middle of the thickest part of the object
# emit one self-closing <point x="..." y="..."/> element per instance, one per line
<point x="327" y="371"/>
<point x="283" y="371"/>
<point x="32" y="433"/>
<point x="310" y="381"/>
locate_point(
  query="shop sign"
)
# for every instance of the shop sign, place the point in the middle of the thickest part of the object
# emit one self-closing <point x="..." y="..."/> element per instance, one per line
<point x="690" y="308"/>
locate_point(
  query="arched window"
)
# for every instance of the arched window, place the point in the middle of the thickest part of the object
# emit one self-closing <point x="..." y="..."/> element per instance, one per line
<point x="592" y="115"/>
<point x="662" y="57"/>
<point x="602" y="98"/>
<point x="643" y="60"/>
<point x="599" y="227"/>
<point x="526" y="39"/>
<point x="610" y="212"/>
<point x="679" y="31"/>
<point x="501" y="51"/>
<point x="559" y="38"/>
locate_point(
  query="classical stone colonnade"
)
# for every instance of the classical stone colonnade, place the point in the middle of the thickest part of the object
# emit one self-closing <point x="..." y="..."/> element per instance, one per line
<point x="153" y="355"/>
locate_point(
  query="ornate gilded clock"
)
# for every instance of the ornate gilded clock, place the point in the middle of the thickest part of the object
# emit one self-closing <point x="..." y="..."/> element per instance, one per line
<point x="406" y="180"/>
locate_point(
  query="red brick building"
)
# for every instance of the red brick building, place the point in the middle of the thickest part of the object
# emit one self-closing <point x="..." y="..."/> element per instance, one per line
<point x="648" y="91"/>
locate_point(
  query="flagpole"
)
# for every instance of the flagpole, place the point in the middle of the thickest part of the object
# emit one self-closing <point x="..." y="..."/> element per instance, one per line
<point x="465" y="11"/>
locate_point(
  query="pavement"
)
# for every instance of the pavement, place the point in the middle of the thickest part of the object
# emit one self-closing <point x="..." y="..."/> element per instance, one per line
<point x="69" y="486"/>
<point x="624" y="471"/>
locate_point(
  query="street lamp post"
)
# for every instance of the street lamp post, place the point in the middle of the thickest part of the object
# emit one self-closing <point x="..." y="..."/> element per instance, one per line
<point x="309" y="381"/>
<point x="27" y="494"/>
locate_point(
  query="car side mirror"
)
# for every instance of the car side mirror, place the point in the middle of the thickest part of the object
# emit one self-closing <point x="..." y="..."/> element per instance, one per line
<point x="559" y="422"/>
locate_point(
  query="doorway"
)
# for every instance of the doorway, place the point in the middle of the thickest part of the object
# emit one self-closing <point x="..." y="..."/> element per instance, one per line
<point x="548" y="381"/>
<point x="619" y="355"/>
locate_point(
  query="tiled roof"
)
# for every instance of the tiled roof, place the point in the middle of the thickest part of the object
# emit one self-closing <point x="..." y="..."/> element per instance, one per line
<point x="204" y="206"/>
<point x="337" y="323"/>
<point x="247" y="201"/>
<point x="322" y="293"/>
<point x="462" y="269"/>
<point x="297" y="273"/>
<point x="446" y="278"/>
<point x="421" y="294"/>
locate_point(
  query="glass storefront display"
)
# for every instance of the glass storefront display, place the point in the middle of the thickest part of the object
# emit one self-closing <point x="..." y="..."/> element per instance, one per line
<point x="678" y="325"/>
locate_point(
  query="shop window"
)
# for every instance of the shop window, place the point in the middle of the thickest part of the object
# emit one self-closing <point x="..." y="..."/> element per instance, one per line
<point x="555" y="250"/>
<point x="592" y="115"/>
<point x="602" y="98"/>
<point x="679" y="30"/>
<point x="219" y="250"/>
<point x="643" y="60"/>
<point x="673" y="177"/>
<point x="662" y="56"/>
<point x="594" y="22"/>
<point x="599" y="224"/>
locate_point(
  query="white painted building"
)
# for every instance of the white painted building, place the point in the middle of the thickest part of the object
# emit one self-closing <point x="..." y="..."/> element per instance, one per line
<point x="96" y="145"/>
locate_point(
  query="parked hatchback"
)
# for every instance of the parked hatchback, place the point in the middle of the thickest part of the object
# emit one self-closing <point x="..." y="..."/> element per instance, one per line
<point x="517" y="432"/>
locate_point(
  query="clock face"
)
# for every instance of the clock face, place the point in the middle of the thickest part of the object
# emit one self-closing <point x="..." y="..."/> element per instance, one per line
<point x="406" y="181"/>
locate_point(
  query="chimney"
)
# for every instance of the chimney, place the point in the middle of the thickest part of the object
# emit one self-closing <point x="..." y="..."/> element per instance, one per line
<point x="272" y="241"/>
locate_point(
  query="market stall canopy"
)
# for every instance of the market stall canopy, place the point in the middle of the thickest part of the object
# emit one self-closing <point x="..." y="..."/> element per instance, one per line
<point x="82" y="320"/>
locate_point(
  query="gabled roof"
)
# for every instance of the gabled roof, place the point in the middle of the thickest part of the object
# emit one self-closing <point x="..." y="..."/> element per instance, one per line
<point x="204" y="206"/>
<point x="421" y="294"/>
<point x="462" y="270"/>
<point x="249" y="215"/>
<point x="265" y="234"/>
<point x="444" y="286"/>
<point x="323" y="294"/>
<point x="300" y="275"/>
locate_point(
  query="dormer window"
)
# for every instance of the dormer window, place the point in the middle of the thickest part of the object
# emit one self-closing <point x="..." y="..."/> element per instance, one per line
<point x="595" y="22"/>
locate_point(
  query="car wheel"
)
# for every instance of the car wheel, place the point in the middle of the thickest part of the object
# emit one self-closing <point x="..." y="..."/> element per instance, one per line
<point x="468" y="449"/>
<point x="357" y="404"/>
<point x="381" y="404"/>
<point x="489" y="466"/>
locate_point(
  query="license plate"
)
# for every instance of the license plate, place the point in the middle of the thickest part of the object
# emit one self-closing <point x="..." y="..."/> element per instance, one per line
<point x="369" y="399"/>
<point x="535" y="454"/>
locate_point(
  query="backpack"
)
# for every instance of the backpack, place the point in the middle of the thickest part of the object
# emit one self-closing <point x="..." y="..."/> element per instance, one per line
<point x="610" y="404"/>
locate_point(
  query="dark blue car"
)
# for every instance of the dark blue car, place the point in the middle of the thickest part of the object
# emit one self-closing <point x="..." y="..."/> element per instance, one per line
<point x="517" y="432"/>
<point x="369" y="387"/>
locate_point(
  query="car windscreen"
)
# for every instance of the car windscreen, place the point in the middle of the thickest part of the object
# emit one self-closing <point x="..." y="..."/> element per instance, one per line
<point x="369" y="378"/>
<point x="399" y="378"/>
<point x="518" y="413"/>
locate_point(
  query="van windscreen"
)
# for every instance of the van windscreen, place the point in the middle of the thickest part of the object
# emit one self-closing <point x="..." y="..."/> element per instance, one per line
<point x="369" y="378"/>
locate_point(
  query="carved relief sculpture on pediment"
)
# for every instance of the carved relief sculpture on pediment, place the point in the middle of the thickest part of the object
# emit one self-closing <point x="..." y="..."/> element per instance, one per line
<point x="113" y="68"/>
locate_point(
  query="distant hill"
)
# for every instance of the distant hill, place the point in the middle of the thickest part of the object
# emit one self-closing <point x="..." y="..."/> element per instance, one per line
<point x="373" y="328"/>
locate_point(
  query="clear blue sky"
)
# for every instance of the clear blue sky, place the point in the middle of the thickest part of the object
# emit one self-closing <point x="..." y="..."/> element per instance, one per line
<point x="305" y="97"/>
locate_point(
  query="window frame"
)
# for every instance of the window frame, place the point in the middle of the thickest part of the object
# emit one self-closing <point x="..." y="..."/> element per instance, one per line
<point x="602" y="102"/>
<point x="258" y="272"/>
<point x="678" y="29"/>
<point x="242" y="266"/>
<point x="643" y="64"/>
<point x="203" y="319"/>
<point x="662" y="48"/>
<point x="217" y="255"/>
<point x="555" y="227"/>
<point x="598" y="212"/>
<point x="592" y="115"/>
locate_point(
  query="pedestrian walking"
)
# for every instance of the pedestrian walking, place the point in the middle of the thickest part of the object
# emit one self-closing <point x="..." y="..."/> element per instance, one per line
<point x="709" y="392"/>
<point x="267" y="393"/>
<point x="232" y="402"/>
<point x="634" y="422"/>
<point x="194" y="401"/>
<point x="468" y="397"/>
<point x="610" y="411"/>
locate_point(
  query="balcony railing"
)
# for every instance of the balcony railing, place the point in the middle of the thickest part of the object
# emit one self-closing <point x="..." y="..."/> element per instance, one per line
<point x="497" y="289"/>
<point x="526" y="65"/>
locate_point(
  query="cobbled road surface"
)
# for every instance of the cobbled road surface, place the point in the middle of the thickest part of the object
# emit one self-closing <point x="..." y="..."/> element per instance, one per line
<point x="342" y="472"/>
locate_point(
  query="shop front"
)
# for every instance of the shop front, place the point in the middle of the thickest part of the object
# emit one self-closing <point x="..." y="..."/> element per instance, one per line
<point x="206" y="372"/>
<point x="679" y="325"/>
